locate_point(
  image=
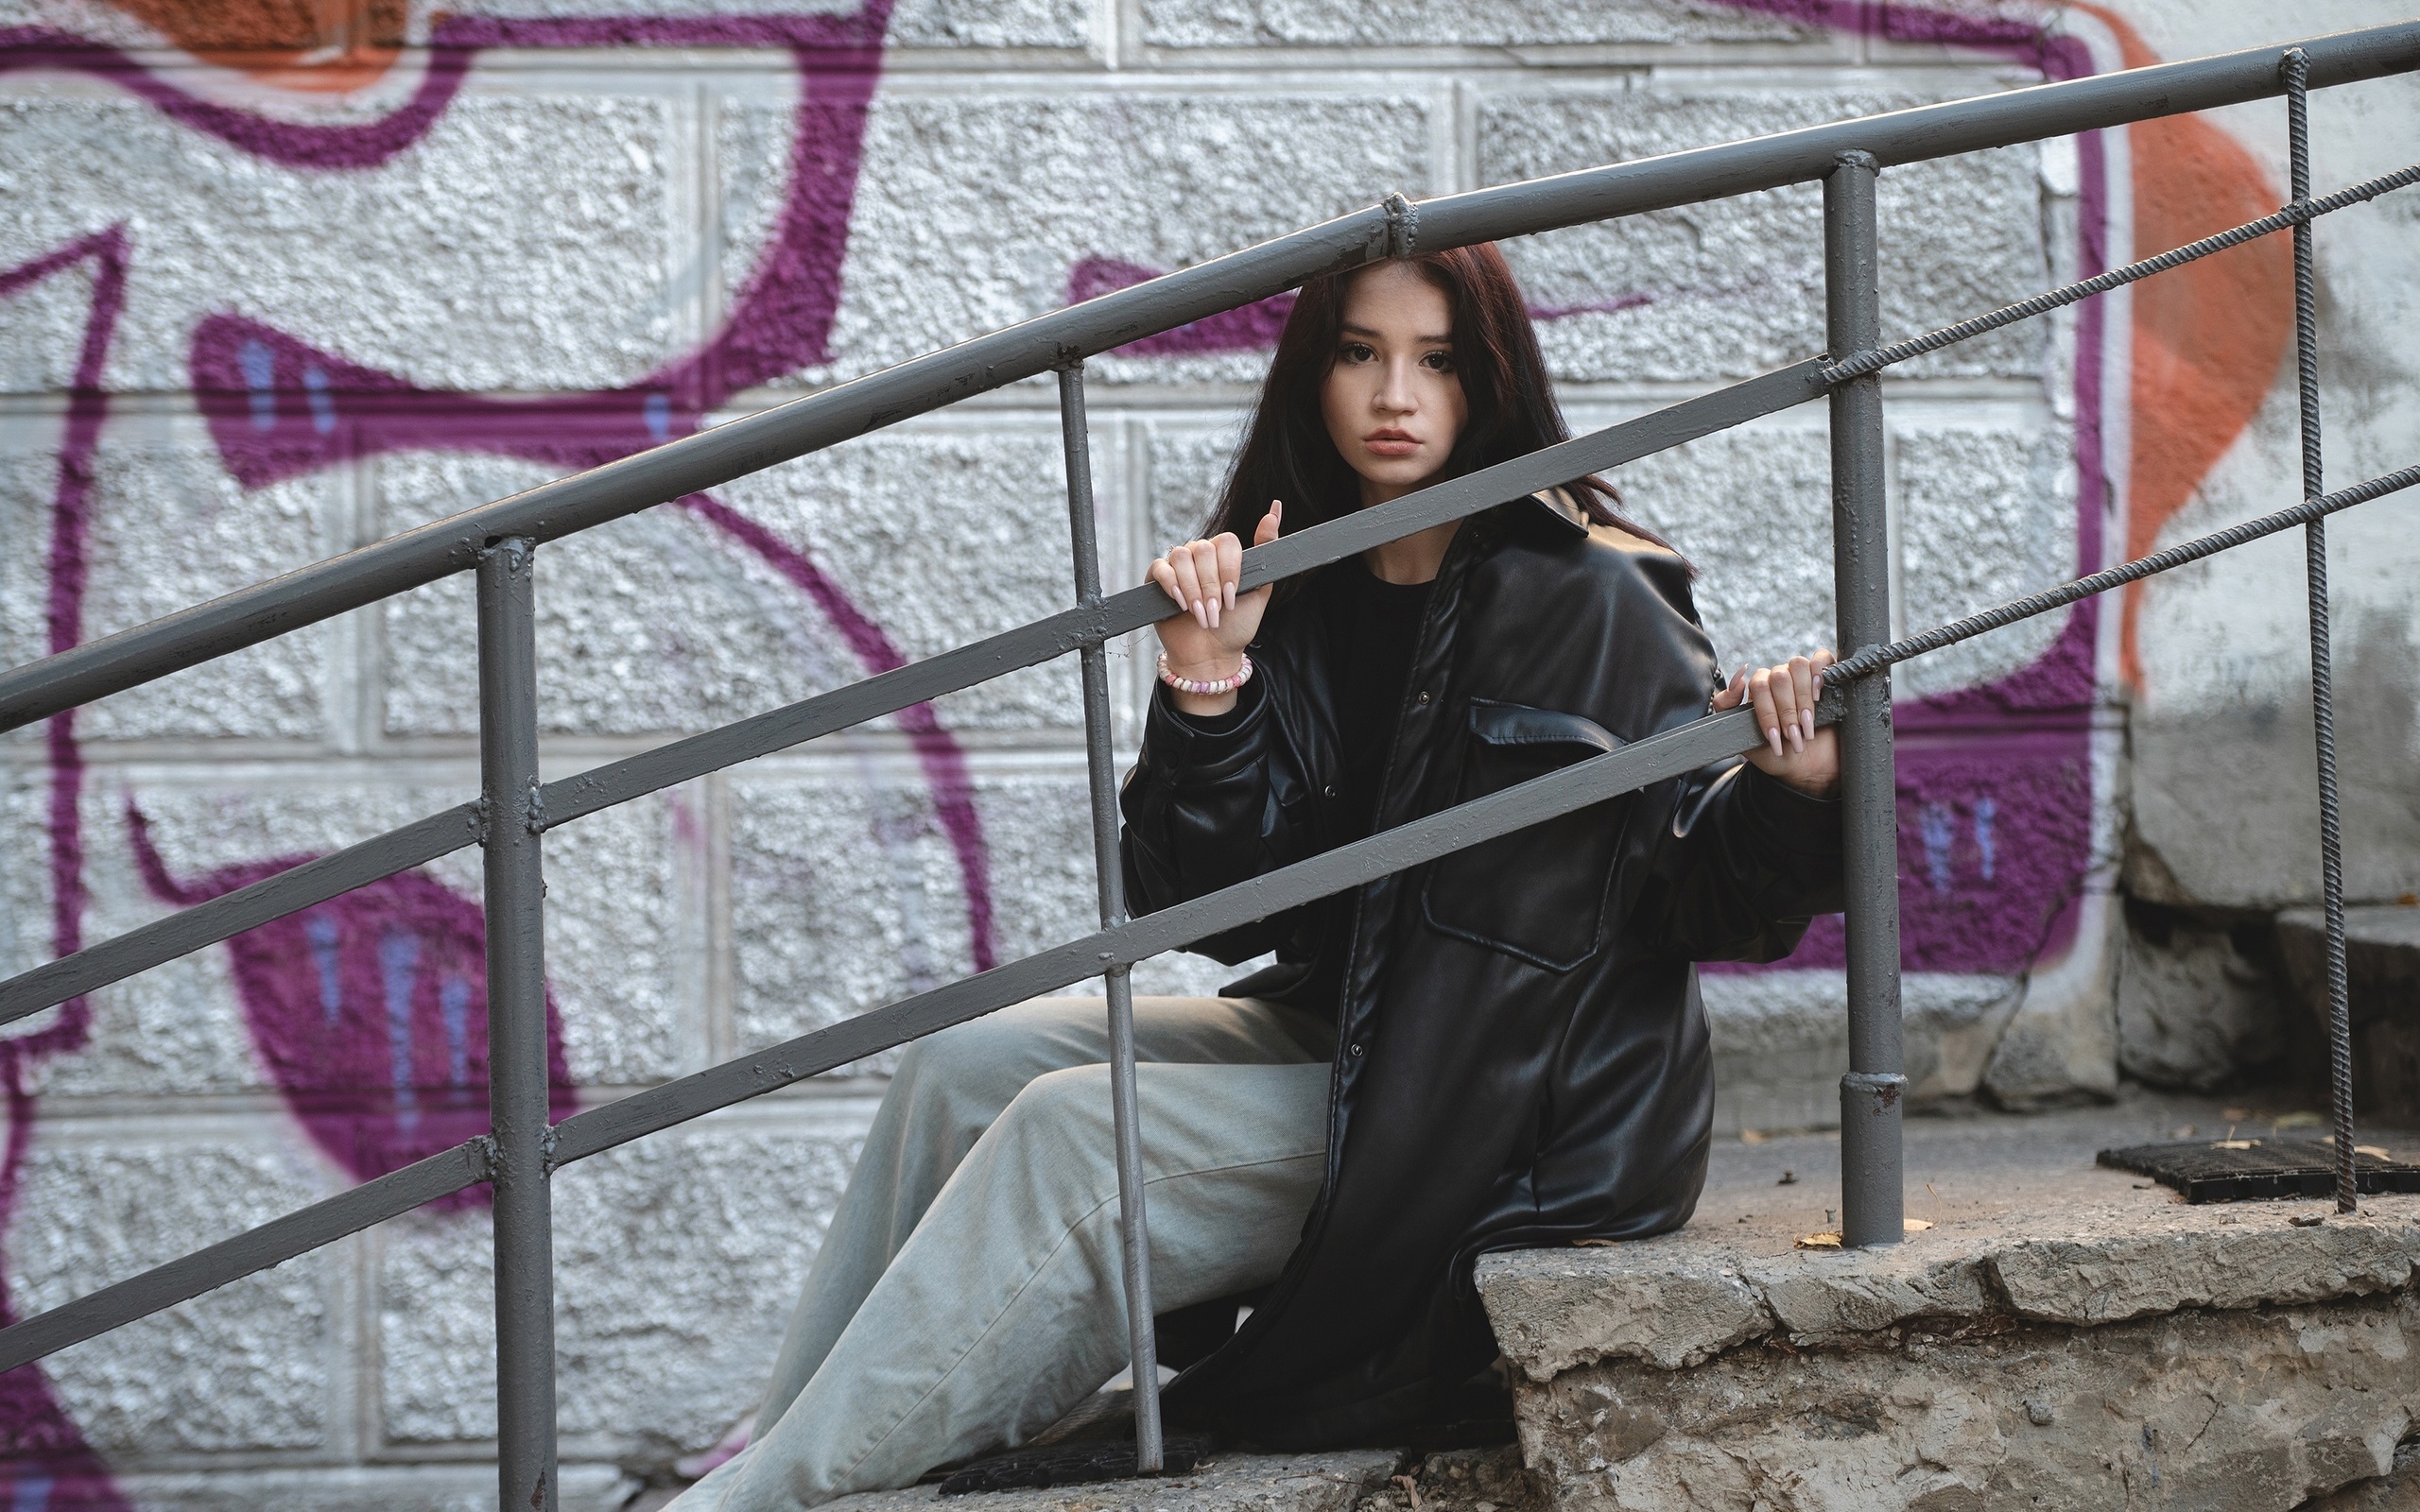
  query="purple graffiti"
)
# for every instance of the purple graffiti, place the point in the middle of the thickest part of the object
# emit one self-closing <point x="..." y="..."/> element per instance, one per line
<point x="2013" y="755"/>
<point x="369" y="1011"/>
<point x="2006" y="891"/>
<point x="47" y="1463"/>
<point x="278" y="407"/>
<point x="1247" y="328"/>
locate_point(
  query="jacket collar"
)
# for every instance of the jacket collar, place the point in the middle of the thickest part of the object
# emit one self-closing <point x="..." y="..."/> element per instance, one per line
<point x="1559" y="505"/>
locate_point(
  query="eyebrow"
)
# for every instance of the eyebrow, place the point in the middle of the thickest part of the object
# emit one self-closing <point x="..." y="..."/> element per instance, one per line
<point x="1351" y="330"/>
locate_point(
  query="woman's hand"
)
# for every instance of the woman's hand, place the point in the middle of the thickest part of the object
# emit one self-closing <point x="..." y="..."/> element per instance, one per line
<point x="1205" y="639"/>
<point x="1794" y="751"/>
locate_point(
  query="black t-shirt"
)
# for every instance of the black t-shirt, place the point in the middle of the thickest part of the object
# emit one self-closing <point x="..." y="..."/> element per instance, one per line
<point x="1373" y="627"/>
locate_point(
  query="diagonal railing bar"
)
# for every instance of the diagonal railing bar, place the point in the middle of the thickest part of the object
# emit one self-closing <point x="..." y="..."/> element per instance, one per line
<point x="586" y="793"/>
<point x="714" y="456"/>
<point x="1684" y="748"/>
<point x="1135" y="608"/>
<point x="1916" y="135"/>
<point x="232" y="913"/>
<point x="886" y="693"/>
<point x="1675" y="751"/>
<point x="274" y="1242"/>
<point x="1071" y="629"/>
<point x="2290" y="216"/>
<point x="1681" y="749"/>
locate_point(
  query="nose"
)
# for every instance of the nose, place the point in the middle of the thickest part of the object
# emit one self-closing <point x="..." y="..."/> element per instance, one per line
<point x="1395" y="396"/>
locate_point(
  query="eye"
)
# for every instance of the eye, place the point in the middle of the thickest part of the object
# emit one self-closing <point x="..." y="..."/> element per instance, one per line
<point x="1437" y="362"/>
<point x="1356" y="351"/>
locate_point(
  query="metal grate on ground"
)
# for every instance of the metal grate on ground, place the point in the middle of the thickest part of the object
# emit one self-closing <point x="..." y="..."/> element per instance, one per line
<point x="2251" y="1169"/>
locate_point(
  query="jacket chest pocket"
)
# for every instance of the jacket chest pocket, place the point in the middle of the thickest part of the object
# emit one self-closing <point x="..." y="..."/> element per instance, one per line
<point x="1539" y="893"/>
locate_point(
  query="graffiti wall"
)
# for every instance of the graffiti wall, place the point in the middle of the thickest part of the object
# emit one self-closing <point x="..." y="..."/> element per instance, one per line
<point x="281" y="279"/>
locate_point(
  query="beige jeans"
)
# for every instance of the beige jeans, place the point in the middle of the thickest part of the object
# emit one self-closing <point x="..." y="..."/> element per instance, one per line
<point x="970" y="1291"/>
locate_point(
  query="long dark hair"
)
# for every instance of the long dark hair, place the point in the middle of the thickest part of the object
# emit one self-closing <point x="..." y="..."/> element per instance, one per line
<point x="1286" y="454"/>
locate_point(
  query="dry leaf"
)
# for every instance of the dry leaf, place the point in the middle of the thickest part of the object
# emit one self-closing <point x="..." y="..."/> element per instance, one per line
<point x="1826" y="1240"/>
<point x="1917" y="1226"/>
<point x="2359" y="1149"/>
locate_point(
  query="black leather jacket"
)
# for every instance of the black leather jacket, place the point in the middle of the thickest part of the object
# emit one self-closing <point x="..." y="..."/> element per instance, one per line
<point x="1521" y="1056"/>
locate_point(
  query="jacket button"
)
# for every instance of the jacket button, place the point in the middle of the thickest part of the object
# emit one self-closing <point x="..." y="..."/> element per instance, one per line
<point x="1353" y="1049"/>
<point x="1329" y="791"/>
<point x="1424" y="695"/>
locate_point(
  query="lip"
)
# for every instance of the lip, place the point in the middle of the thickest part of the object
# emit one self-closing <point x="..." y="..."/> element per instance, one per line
<point x="1390" y="442"/>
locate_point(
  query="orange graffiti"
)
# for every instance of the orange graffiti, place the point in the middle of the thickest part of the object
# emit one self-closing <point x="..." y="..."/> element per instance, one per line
<point x="316" y="45"/>
<point x="2209" y="336"/>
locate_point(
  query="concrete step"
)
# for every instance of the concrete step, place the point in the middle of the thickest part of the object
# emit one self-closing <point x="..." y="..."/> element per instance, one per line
<point x="1233" y="1483"/>
<point x="2061" y="1336"/>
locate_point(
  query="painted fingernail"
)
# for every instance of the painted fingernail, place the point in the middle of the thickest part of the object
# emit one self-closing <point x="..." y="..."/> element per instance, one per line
<point x="1806" y="717"/>
<point x="1772" y="734"/>
<point x="1230" y="596"/>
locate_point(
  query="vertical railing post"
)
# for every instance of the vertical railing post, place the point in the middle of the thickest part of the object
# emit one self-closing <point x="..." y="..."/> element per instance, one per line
<point x="1871" y="1202"/>
<point x="2323" y="688"/>
<point x="516" y="971"/>
<point x="1102" y="763"/>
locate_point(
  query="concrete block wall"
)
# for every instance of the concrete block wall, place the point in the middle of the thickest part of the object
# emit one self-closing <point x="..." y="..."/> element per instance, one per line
<point x="271" y="288"/>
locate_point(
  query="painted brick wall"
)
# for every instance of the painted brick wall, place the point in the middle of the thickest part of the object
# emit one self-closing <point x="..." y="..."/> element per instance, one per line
<point x="276" y="285"/>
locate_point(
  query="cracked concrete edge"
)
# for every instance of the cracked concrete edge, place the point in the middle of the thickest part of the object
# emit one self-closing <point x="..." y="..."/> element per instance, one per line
<point x="1680" y="1299"/>
<point x="1330" y="1481"/>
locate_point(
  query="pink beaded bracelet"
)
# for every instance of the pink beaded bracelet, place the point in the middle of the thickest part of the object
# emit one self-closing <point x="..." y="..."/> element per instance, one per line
<point x="1226" y="684"/>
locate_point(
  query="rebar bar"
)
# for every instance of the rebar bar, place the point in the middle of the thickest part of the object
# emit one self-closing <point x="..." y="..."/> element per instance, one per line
<point x="2001" y="616"/>
<point x="2322" y="678"/>
<point x="2298" y="216"/>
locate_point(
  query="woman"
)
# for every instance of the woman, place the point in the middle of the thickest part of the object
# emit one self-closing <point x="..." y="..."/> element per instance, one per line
<point x="1502" y="1049"/>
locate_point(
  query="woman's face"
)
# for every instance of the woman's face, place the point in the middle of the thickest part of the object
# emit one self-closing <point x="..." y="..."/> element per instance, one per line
<point x="1392" y="401"/>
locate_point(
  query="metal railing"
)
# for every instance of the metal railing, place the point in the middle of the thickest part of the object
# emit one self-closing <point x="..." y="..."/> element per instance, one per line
<point x="498" y="541"/>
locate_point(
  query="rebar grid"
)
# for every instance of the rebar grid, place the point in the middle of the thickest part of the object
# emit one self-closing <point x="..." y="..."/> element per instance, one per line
<point x="522" y="1151"/>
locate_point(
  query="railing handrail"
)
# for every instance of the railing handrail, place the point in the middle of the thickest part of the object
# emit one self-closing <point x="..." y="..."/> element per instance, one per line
<point x="716" y="455"/>
<point x="582" y="794"/>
